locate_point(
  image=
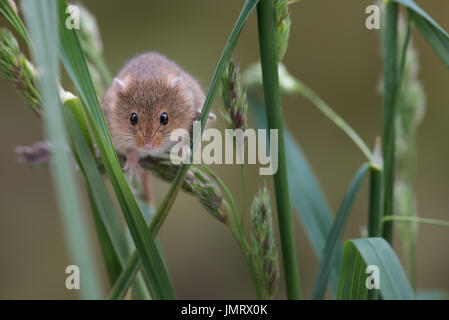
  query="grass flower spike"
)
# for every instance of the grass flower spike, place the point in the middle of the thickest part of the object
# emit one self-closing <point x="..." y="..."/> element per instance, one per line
<point x="411" y="105"/>
<point x="208" y="193"/>
<point x="283" y="22"/>
<point x="264" y="244"/>
<point x="234" y="97"/>
<point x="17" y="69"/>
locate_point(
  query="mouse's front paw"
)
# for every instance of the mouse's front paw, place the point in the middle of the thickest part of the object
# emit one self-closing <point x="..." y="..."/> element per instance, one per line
<point x="131" y="164"/>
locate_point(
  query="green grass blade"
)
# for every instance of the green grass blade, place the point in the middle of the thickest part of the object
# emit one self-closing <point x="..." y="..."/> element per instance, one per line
<point x="133" y="264"/>
<point x="110" y="258"/>
<point x="305" y="191"/>
<point x="360" y="253"/>
<point x="291" y="85"/>
<point x="8" y="12"/>
<point x="437" y="37"/>
<point x="75" y="64"/>
<point x="389" y="111"/>
<point x="42" y="21"/>
<point x="321" y="105"/>
<point x="336" y="233"/>
<point x="403" y="58"/>
<point x="434" y="222"/>
<point x="122" y="284"/>
<point x="272" y="95"/>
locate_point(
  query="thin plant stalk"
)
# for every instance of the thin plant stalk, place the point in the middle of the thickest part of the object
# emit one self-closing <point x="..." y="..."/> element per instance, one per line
<point x="309" y="94"/>
<point x="404" y="55"/>
<point x="375" y="202"/>
<point x="268" y="55"/>
<point x="389" y="111"/>
<point x="291" y="85"/>
<point x="434" y="222"/>
<point x="243" y="173"/>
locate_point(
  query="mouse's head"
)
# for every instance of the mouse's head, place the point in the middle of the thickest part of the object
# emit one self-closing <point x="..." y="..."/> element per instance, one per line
<point x="146" y="112"/>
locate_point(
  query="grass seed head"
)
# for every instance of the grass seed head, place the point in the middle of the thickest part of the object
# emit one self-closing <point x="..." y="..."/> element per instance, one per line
<point x="263" y="243"/>
<point x="234" y="97"/>
<point x="17" y="69"/>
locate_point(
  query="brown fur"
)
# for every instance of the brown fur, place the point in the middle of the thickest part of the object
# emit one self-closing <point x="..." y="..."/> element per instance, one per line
<point x="148" y="92"/>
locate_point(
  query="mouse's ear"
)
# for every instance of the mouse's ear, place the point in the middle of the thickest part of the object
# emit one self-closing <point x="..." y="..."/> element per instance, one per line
<point x="175" y="82"/>
<point x="119" y="84"/>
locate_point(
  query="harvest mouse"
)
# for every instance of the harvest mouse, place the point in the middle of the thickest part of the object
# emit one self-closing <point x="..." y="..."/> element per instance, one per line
<point x="149" y="98"/>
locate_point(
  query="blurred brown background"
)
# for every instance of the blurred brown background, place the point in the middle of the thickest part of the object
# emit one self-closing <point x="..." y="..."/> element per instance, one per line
<point x="330" y="50"/>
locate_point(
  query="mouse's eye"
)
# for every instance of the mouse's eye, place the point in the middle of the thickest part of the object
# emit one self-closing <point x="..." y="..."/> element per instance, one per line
<point x="133" y="119"/>
<point x="164" y="118"/>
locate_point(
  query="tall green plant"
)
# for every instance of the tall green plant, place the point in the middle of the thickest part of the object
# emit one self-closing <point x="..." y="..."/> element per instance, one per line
<point x="272" y="94"/>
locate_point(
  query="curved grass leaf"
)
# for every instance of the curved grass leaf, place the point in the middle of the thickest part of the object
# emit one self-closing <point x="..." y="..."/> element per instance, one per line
<point x="305" y="191"/>
<point x="41" y="17"/>
<point x="435" y="222"/>
<point x="75" y="64"/>
<point x="360" y="253"/>
<point x="291" y="85"/>
<point x="317" y="101"/>
<point x="336" y="233"/>
<point x="437" y="37"/>
<point x="133" y="264"/>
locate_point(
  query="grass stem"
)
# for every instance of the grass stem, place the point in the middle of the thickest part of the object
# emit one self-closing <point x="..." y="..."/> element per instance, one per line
<point x="375" y="202"/>
<point x="268" y="56"/>
<point x="434" y="222"/>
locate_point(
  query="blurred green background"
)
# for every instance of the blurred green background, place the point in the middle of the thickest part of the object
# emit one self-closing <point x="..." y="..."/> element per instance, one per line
<point x="330" y="50"/>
